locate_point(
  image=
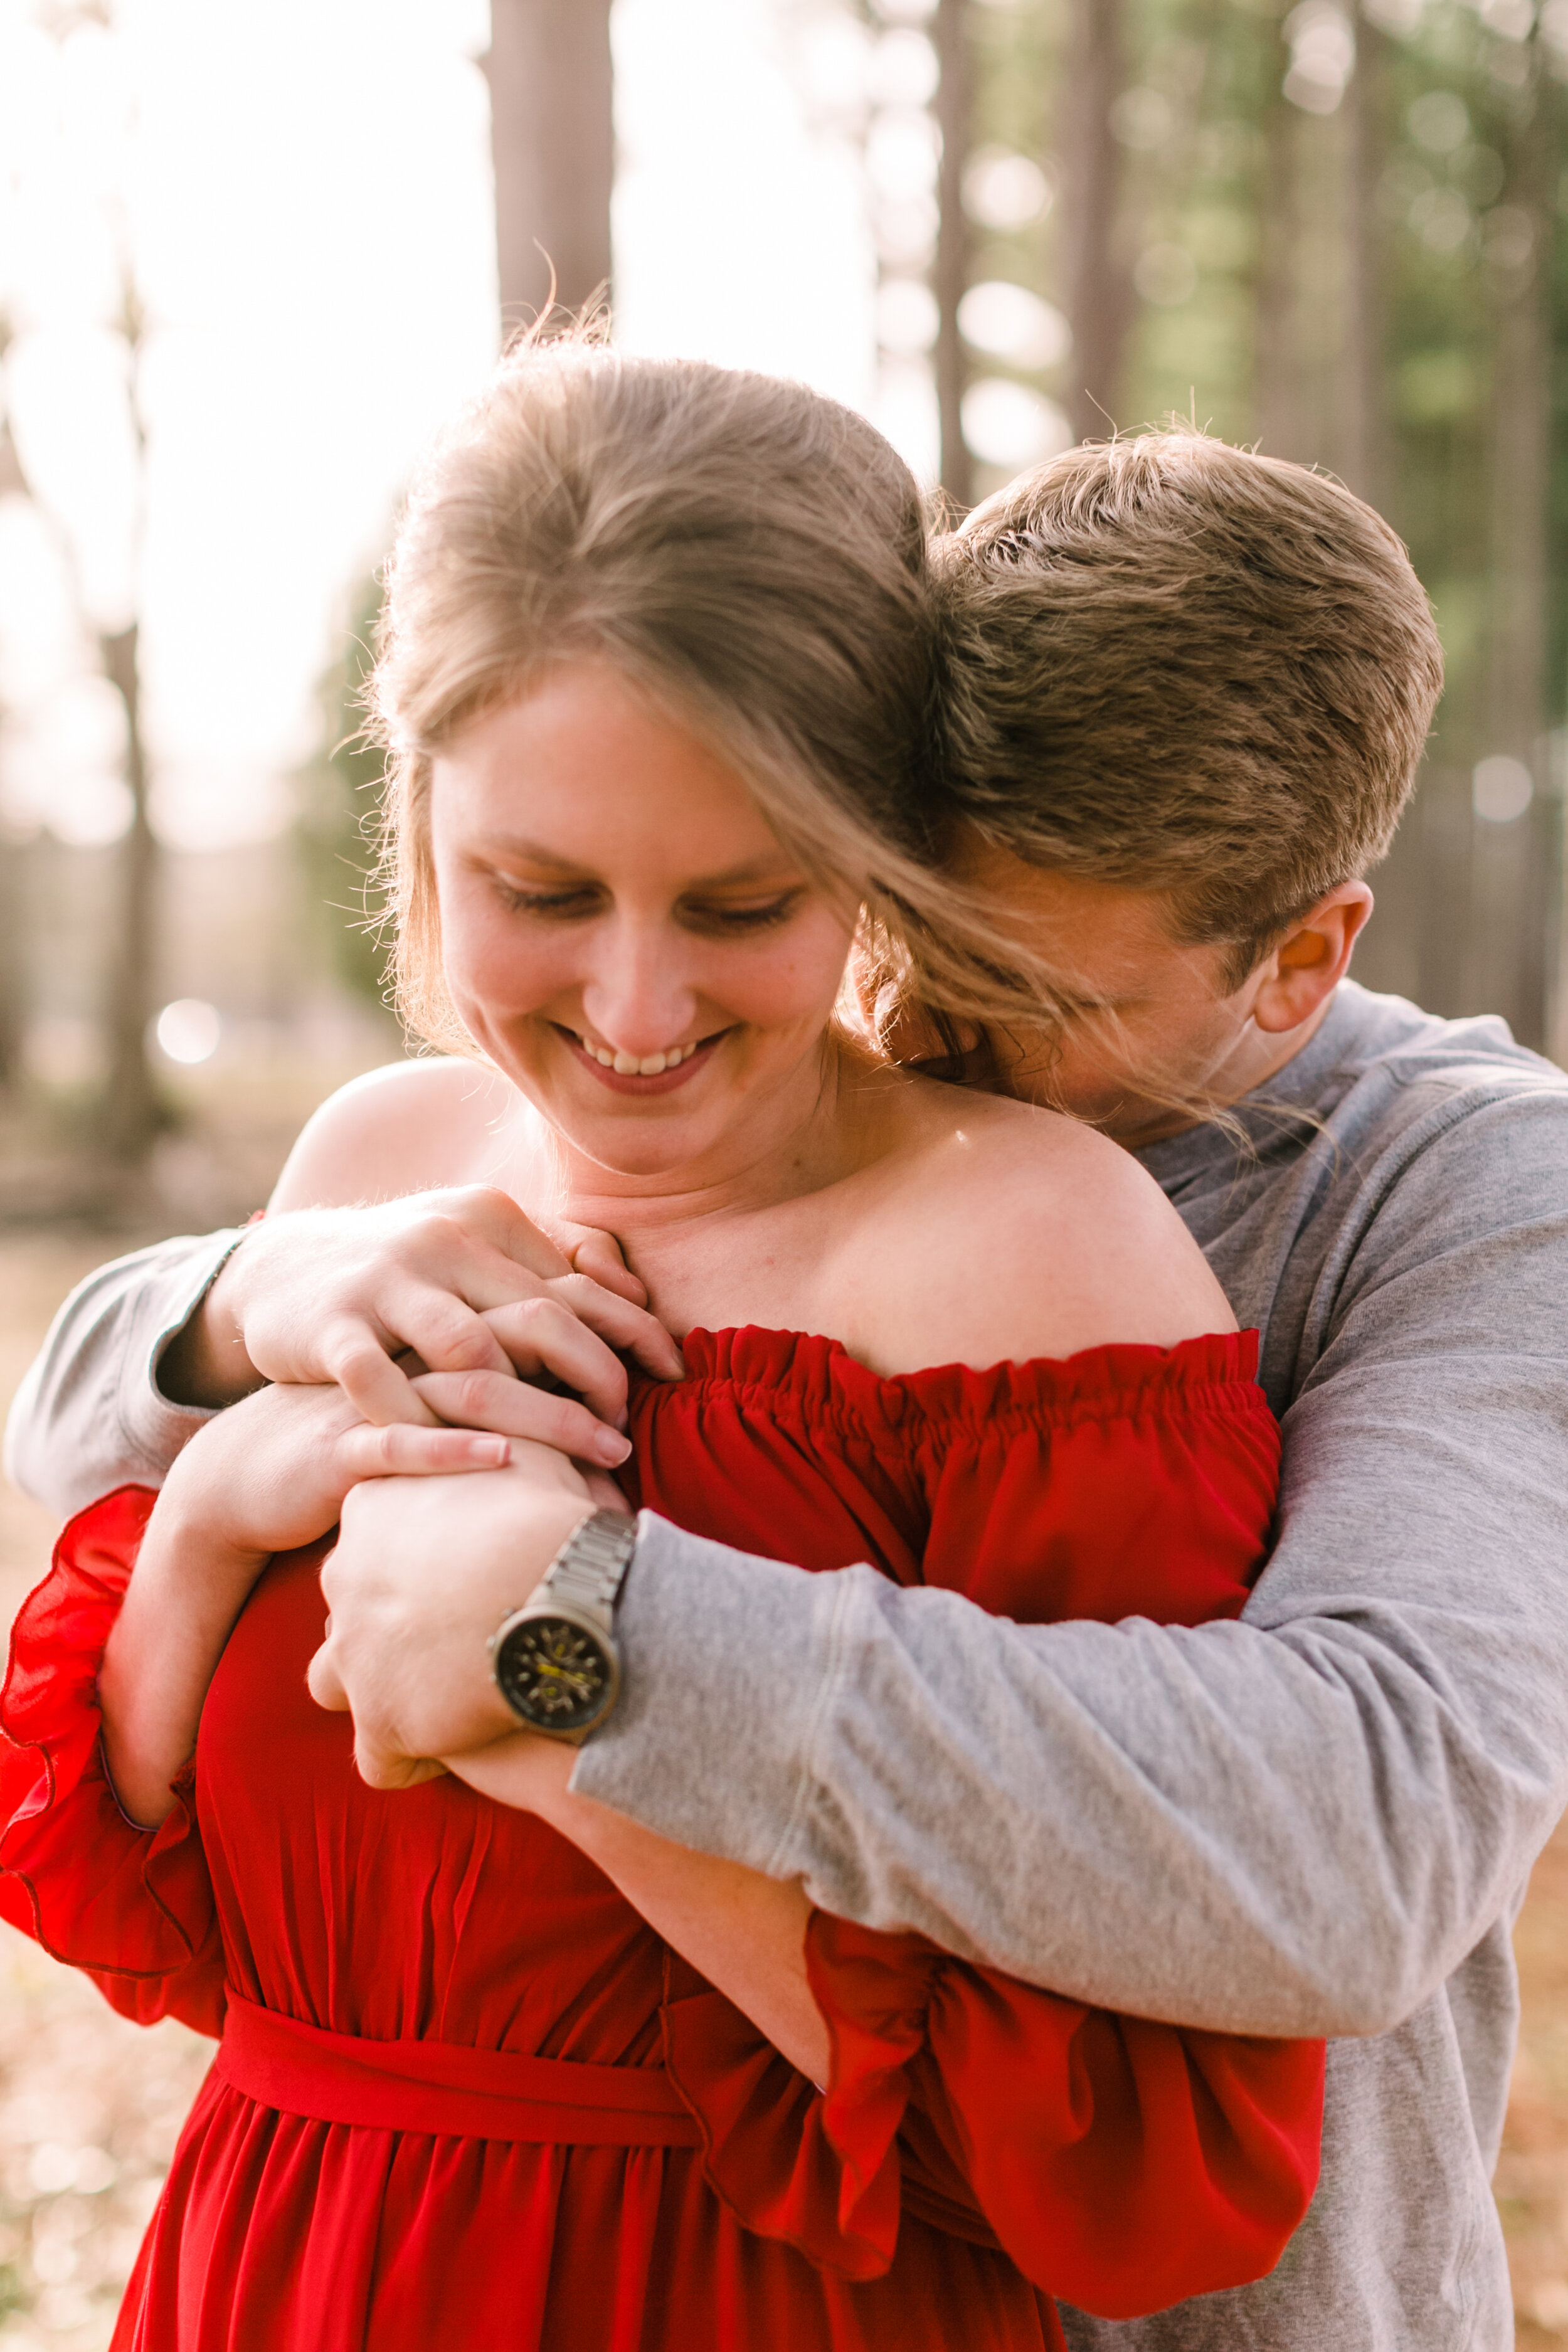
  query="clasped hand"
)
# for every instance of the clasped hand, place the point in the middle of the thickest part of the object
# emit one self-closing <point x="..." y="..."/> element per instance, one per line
<point x="429" y="1556"/>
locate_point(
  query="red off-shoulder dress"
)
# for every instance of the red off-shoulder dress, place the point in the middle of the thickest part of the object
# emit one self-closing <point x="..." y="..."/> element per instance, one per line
<point x="464" y="2097"/>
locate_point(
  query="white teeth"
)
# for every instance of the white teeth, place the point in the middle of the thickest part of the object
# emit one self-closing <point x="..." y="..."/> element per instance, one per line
<point x="646" y="1066"/>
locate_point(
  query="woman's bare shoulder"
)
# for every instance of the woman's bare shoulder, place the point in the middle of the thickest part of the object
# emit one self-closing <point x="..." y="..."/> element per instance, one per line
<point x="1033" y="1235"/>
<point x="409" y="1127"/>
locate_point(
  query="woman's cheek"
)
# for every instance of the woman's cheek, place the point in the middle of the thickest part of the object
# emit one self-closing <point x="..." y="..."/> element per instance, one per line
<point x="491" y="970"/>
<point x="796" y="979"/>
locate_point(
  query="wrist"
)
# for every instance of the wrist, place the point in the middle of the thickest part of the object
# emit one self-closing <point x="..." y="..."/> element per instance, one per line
<point x="555" y="1659"/>
<point x="206" y="1362"/>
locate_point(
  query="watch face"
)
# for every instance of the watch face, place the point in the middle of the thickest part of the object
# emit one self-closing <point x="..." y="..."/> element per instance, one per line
<point x="556" y="1673"/>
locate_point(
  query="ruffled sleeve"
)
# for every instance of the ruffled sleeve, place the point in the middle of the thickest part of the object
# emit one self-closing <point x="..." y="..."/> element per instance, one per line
<point x="1123" y="2164"/>
<point x="131" y="1907"/>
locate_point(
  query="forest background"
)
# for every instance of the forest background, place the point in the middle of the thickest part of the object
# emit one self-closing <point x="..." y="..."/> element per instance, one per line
<point x="1339" y="231"/>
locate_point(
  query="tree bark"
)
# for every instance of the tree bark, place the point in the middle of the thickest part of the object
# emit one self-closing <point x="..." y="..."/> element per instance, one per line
<point x="13" y="896"/>
<point x="1364" y="461"/>
<point x="1518" y="866"/>
<point x="130" y="1113"/>
<point x="1277" y="390"/>
<point x="1097" y="282"/>
<point x="13" y="960"/>
<point x="950" y="276"/>
<point x="553" y="142"/>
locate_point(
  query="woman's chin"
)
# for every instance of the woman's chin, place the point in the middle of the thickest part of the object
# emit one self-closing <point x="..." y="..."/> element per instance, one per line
<point x="632" y="1144"/>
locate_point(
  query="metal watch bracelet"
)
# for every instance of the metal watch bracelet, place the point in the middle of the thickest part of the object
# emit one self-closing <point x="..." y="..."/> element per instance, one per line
<point x="590" y="1568"/>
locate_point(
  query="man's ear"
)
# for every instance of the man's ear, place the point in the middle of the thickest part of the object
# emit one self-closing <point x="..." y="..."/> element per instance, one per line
<point x="1310" y="961"/>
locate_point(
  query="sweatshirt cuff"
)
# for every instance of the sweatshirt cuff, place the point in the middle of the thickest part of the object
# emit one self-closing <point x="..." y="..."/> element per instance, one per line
<point x="151" y="1420"/>
<point x="727" y="1666"/>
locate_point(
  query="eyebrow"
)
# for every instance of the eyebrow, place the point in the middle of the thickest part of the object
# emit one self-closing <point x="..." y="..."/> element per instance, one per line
<point x="754" y="869"/>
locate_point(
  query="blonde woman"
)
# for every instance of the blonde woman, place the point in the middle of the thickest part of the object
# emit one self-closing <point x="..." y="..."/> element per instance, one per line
<point x="495" y="2072"/>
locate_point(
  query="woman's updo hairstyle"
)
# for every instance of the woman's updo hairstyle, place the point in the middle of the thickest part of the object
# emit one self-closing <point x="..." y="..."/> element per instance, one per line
<point x="746" y="552"/>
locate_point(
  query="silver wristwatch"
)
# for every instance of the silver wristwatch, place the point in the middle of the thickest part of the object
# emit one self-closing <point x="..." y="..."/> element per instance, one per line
<point x="554" y="1660"/>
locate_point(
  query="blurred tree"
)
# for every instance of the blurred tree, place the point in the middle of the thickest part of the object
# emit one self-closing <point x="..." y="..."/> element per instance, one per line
<point x="130" y="1111"/>
<point x="13" y="896"/>
<point x="553" y="142"/>
<point x="1096" y="292"/>
<point x="950" y="272"/>
<point x="1364" y="422"/>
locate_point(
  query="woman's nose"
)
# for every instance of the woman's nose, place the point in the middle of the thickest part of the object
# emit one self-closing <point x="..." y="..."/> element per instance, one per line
<point x="640" y="998"/>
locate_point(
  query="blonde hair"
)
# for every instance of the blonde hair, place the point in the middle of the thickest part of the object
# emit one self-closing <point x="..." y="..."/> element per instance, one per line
<point x="1183" y="667"/>
<point x="741" y="548"/>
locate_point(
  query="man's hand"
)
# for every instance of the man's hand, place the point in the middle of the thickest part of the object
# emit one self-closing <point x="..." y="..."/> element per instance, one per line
<point x="423" y="1573"/>
<point x="461" y="1279"/>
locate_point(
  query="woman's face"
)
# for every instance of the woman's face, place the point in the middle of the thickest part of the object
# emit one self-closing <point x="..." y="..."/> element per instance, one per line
<point x="622" y="932"/>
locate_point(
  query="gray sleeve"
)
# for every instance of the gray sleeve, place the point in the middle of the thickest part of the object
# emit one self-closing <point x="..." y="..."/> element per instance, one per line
<point x="1299" y="1824"/>
<point x="90" y="1415"/>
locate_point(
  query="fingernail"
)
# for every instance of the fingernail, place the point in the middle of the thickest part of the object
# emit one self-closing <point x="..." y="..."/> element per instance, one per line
<point x="611" y="1447"/>
<point x="493" y="1451"/>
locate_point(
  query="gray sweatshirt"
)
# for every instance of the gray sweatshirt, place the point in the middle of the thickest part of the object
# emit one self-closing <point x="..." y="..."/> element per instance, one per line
<point x="1319" y="1820"/>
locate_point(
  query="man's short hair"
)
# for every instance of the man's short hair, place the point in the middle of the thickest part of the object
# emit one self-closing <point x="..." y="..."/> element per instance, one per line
<point x="1183" y="667"/>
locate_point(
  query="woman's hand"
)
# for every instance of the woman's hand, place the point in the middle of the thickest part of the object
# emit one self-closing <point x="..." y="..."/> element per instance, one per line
<point x="461" y="1278"/>
<point x="267" y="1475"/>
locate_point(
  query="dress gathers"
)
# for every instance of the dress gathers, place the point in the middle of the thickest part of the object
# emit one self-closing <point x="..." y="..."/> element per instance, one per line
<point x="465" y="2096"/>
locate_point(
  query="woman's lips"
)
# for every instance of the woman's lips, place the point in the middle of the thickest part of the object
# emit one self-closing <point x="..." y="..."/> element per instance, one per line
<point x="632" y="1082"/>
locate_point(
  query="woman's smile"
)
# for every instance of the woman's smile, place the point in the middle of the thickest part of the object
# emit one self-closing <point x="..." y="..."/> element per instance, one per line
<point x="647" y="1074"/>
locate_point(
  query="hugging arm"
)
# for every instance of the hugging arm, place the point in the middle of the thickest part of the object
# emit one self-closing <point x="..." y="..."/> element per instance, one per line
<point x="1299" y="1823"/>
<point x="146" y="1349"/>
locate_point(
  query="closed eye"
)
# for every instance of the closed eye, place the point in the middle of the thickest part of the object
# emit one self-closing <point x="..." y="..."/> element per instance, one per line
<point x="578" y="901"/>
<point x="582" y="900"/>
<point x="761" y="918"/>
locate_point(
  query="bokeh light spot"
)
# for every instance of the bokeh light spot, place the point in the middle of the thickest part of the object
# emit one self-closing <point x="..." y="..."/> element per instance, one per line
<point x="188" y="1030"/>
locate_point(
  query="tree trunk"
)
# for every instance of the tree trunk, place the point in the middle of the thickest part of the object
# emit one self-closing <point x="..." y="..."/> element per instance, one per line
<point x="1363" y="428"/>
<point x="1517" y="866"/>
<point x="13" y="896"/>
<point x="955" y="118"/>
<point x="553" y="142"/>
<point x="13" y="960"/>
<point x="1277" y="390"/>
<point x="1097" y="284"/>
<point x="130" y="1112"/>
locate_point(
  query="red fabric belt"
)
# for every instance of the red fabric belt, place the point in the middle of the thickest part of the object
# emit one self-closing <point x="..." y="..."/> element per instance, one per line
<point x="440" y="2087"/>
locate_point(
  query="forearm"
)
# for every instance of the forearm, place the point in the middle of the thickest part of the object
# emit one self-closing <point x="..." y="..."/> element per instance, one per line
<point x="744" y="1931"/>
<point x="91" y="1414"/>
<point x="1297" y="1825"/>
<point x="187" y="1589"/>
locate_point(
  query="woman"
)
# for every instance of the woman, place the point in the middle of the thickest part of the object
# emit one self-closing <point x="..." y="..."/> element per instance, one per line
<point x="496" y="2070"/>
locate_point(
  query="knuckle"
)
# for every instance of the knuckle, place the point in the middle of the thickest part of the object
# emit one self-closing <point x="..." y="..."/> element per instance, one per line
<point x="356" y="1357"/>
<point x="473" y="1394"/>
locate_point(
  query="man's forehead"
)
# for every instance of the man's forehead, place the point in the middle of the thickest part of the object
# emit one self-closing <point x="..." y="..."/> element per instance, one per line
<point x="1078" y="905"/>
<point x="1113" y="945"/>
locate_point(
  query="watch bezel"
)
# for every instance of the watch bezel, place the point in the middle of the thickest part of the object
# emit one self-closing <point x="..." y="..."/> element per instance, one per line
<point x="557" y="1612"/>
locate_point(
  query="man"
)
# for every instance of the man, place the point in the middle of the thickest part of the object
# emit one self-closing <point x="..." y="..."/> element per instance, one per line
<point x="1187" y="691"/>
